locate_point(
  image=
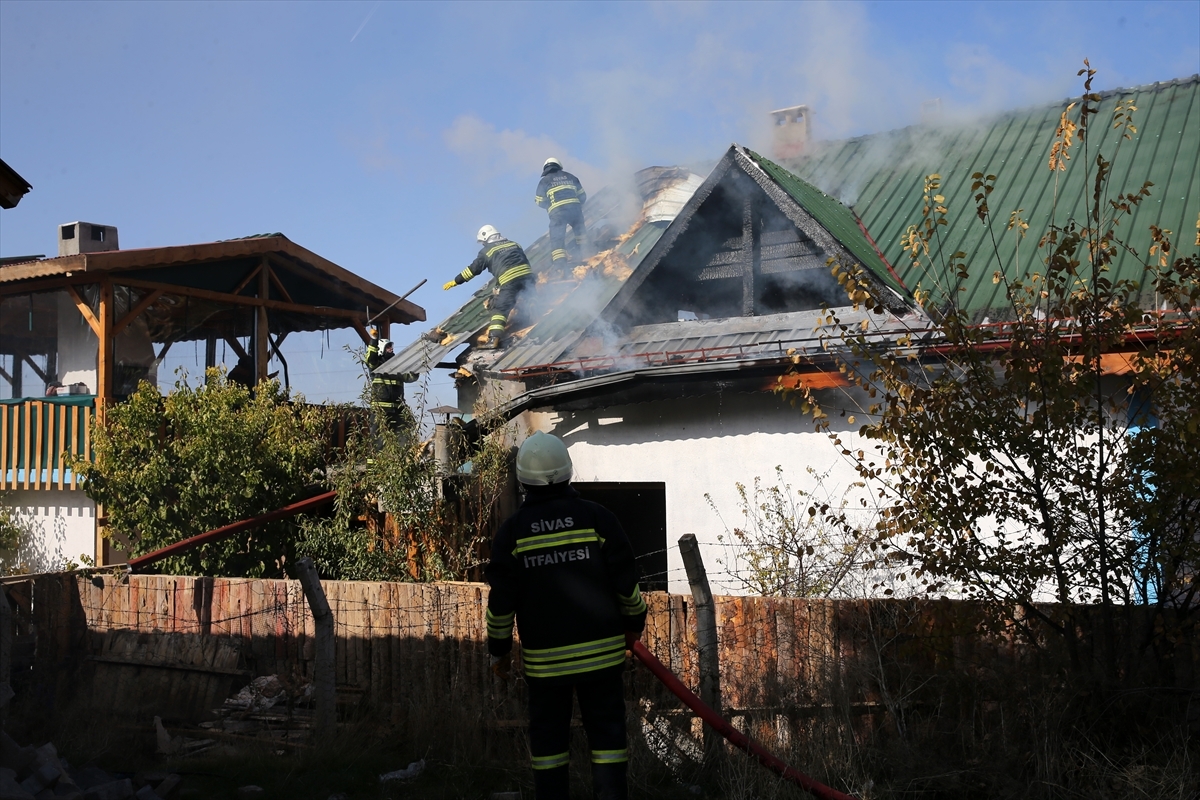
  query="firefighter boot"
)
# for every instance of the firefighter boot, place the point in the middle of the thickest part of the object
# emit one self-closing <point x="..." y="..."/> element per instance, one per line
<point x="552" y="784"/>
<point x="493" y="341"/>
<point x="608" y="781"/>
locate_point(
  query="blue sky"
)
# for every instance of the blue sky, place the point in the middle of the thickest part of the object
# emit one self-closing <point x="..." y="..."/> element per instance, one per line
<point x="382" y="135"/>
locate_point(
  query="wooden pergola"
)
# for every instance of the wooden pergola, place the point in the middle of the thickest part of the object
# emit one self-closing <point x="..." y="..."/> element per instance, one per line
<point x="261" y="288"/>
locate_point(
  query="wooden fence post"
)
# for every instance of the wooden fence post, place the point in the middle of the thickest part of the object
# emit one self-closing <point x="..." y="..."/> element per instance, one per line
<point x="324" y="689"/>
<point x="706" y="633"/>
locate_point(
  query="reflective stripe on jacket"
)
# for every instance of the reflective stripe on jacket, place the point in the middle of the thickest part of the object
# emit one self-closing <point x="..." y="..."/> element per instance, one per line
<point x="563" y="571"/>
<point x="557" y="189"/>
<point x="387" y="391"/>
<point x="504" y="259"/>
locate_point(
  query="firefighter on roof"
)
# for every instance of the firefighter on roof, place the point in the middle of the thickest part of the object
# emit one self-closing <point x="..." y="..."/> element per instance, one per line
<point x="562" y="195"/>
<point x="563" y="570"/>
<point x="387" y="390"/>
<point x="507" y="261"/>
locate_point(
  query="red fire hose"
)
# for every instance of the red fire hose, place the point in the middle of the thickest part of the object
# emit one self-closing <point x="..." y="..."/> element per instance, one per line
<point x="237" y="527"/>
<point x="731" y="734"/>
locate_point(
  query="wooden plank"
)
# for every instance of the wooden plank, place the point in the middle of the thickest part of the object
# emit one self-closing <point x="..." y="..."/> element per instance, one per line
<point x="84" y="309"/>
<point x="262" y="338"/>
<point x="60" y="422"/>
<point x="35" y="462"/>
<point x="241" y="300"/>
<point x="104" y="365"/>
<point x="244" y="282"/>
<point x="5" y="411"/>
<point x="278" y="284"/>
<point x="27" y="444"/>
<point x="152" y="662"/>
<point x="141" y="305"/>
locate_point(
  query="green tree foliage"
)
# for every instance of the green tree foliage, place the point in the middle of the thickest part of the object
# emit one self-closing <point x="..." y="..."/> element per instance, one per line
<point x="1055" y="455"/>
<point x="398" y="518"/>
<point x="167" y="468"/>
<point x="14" y="534"/>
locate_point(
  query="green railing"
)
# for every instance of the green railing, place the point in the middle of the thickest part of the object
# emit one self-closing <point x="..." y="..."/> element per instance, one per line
<point x="34" y="436"/>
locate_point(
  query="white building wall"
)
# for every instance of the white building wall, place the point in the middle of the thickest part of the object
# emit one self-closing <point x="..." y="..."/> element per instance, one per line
<point x="699" y="446"/>
<point x="77" y="346"/>
<point x="63" y="525"/>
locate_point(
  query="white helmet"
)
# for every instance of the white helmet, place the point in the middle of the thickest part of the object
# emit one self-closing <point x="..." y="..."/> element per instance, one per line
<point x="543" y="460"/>
<point x="485" y="233"/>
<point x="383" y="344"/>
<point x="552" y="160"/>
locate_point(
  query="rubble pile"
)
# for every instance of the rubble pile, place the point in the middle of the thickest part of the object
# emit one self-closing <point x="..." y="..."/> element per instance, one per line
<point x="29" y="773"/>
<point x="266" y="709"/>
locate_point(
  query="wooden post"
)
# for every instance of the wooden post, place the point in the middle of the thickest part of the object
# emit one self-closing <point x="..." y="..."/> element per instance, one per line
<point x="324" y="690"/>
<point x="748" y="290"/>
<point x="104" y="358"/>
<point x="261" y="353"/>
<point x="706" y="633"/>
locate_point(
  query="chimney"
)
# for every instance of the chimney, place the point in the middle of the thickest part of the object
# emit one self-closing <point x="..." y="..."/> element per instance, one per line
<point x="792" y="131"/>
<point x="931" y="111"/>
<point x="665" y="191"/>
<point x="86" y="237"/>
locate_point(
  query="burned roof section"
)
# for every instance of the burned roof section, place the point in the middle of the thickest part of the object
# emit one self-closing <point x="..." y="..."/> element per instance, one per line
<point x="740" y="244"/>
<point x="752" y="240"/>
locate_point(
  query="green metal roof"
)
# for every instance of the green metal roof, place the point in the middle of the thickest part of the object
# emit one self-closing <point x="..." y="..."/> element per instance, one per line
<point x="834" y="216"/>
<point x="881" y="176"/>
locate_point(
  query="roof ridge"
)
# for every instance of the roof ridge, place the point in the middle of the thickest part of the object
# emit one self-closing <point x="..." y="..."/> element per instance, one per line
<point x="997" y="115"/>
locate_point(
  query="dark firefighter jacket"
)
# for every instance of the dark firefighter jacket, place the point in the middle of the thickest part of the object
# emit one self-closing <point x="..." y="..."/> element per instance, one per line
<point x="564" y="570"/>
<point x="504" y="259"/>
<point x="559" y="188"/>
<point x="387" y="391"/>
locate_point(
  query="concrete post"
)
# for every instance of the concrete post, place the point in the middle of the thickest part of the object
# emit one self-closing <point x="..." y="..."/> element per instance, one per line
<point x="706" y="633"/>
<point x="324" y="690"/>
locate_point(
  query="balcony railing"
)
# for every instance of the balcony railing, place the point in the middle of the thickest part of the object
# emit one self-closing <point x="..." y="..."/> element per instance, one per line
<point x="36" y="435"/>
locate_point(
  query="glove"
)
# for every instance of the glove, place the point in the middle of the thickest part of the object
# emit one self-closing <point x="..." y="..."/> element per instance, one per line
<point x="448" y="285"/>
<point x="374" y="332"/>
<point x="502" y="666"/>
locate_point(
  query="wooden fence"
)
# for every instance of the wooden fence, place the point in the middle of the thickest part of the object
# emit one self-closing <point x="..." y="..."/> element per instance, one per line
<point x="175" y="646"/>
<point x="35" y="435"/>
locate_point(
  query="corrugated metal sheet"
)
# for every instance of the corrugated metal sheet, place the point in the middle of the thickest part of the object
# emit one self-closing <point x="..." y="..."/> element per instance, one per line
<point x="737" y="338"/>
<point x="880" y="177"/>
<point x="834" y="216"/>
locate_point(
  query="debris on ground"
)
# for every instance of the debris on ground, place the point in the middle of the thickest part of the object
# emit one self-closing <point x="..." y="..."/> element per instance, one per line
<point x="29" y="773"/>
<point x="169" y="745"/>
<point x="408" y="773"/>
<point x="268" y="709"/>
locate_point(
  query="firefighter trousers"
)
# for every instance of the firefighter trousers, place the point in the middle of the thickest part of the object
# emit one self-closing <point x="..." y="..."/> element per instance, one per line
<point x="560" y="218"/>
<point x="602" y="705"/>
<point x="504" y="302"/>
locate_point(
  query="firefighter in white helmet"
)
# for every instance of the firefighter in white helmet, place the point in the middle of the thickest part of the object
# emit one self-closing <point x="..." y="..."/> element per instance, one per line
<point x="563" y="571"/>
<point x="562" y="195"/>
<point x="507" y="261"/>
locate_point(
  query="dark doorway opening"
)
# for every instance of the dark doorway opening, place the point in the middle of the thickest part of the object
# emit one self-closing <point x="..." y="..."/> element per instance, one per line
<point x="641" y="508"/>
